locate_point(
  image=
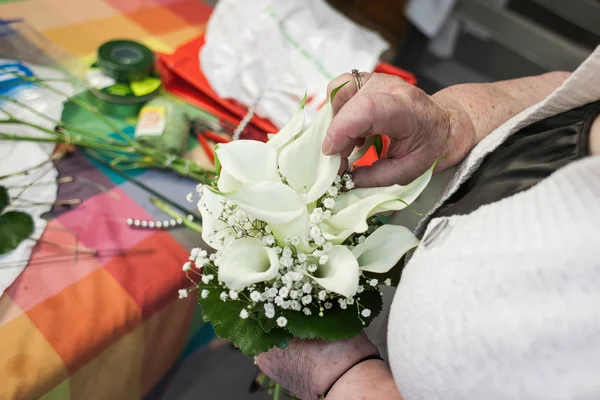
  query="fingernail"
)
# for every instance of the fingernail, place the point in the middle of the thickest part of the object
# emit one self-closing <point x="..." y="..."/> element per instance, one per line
<point x="326" y="146"/>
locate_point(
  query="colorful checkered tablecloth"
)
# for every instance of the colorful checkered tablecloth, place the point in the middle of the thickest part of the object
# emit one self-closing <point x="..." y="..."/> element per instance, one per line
<point x="106" y="327"/>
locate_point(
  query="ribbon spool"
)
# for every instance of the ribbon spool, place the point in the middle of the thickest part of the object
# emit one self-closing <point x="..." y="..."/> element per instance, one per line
<point x="125" y="60"/>
<point x="121" y="99"/>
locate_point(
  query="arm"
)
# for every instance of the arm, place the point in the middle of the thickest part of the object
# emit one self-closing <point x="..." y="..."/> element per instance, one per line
<point x="595" y="137"/>
<point x="486" y="106"/>
<point x="424" y="128"/>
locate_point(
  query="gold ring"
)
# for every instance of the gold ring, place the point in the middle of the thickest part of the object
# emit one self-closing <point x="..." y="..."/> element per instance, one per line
<point x="357" y="79"/>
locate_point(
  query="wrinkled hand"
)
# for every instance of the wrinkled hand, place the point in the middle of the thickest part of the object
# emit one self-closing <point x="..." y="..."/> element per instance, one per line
<point x="309" y="367"/>
<point x="421" y="128"/>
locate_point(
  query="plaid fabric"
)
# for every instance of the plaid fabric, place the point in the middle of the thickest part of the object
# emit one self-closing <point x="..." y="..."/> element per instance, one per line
<point x="101" y="327"/>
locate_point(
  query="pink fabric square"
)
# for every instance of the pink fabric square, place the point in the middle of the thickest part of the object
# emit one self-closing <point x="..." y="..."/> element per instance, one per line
<point x="51" y="268"/>
<point x="101" y="223"/>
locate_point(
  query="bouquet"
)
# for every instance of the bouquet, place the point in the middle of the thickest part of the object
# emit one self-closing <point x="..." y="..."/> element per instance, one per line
<point x="298" y="251"/>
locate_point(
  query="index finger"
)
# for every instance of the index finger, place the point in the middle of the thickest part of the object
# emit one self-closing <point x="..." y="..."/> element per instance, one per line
<point x="347" y="91"/>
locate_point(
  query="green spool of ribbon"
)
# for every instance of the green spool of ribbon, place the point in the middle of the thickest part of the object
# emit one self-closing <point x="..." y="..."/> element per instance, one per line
<point x="125" y="60"/>
<point x="121" y="99"/>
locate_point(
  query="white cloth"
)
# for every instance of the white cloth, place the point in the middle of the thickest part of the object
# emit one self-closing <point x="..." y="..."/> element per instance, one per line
<point x="283" y="47"/>
<point x="36" y="191"/>
<point x="505" y="302"/>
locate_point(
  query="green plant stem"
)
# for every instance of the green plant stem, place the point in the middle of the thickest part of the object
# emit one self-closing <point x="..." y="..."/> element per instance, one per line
<point x="277" y="392"/>
<point x="164" y="207"/>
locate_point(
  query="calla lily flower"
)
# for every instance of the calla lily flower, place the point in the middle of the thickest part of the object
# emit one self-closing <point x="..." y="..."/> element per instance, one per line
<point x="353" y="208"/>
<point x="215" y="232"/>
<point x="302" y="163"/>
<point x="278" y="205"/>
<point x="289" y="131"/>
<point x="340" y="273"/>
<point x="246" y="162"/>
<point x="246" y="261"/>
<point x="383" y="248"/>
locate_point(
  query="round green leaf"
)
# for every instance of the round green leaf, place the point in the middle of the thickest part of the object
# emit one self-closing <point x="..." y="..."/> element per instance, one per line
<point x="336" y="323"/>
<point x="245" y="334"/>
<point x="15" y="226"/>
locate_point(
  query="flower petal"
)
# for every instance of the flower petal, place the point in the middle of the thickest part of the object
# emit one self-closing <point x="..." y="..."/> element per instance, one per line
<point x="384" y="248"/>
<point x="354" y="207"/>
<point x="215" y="232"/>
<point x="340" y="273"/>
<point x="359" y="152"/>
<point x="289" y="131"/>
<point x="303" y="164"/>
<point x="278" y="205"/>
<point x="245" y="162"/>
<point x="246" y="261"/>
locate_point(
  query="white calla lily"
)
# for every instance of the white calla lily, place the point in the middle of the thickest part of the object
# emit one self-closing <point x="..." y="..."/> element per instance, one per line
<point x="353" y="208"/>
<point x="382" y="249"/>
<point x="307" y="170"/>
<point x="246" y="261"/>
<point x="215" y="232"/>
<point x="245" y="162"/>
<point x="340" y="273"/>
<point x="289" y="131"/>
<point x="278" y="205"/>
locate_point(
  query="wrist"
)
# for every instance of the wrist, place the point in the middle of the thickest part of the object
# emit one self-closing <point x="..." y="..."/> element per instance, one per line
<point x="340" y="359"/>
<point x="368" y="380"/>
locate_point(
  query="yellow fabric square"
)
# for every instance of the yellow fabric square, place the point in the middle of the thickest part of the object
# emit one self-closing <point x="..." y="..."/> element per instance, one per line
<point x="176" y="38"/>
<point x="38" y="15"/>
<point x="85" y="38"/>
<point x="29" y="366"/>
<point x="9" y="310"/>
<point x="157" y="45"/>
<point x="115" y="374"/>
<point x="77" y="11"/>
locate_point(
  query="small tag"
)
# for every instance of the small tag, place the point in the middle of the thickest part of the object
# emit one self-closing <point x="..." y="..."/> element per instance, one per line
<point x="152" y="122"/>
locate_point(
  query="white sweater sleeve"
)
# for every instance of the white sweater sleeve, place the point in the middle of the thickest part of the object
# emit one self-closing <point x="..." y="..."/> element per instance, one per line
<point x="505" y="302"/>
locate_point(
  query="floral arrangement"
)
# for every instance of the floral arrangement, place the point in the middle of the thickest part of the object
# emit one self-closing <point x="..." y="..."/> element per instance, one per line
<point x="298" y="251"/>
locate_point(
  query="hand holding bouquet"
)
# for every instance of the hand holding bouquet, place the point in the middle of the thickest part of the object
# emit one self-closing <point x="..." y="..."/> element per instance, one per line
<point x="299" y="252"/>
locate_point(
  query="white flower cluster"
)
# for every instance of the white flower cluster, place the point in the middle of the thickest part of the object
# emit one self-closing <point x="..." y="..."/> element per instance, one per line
<point x="292" y="288"/>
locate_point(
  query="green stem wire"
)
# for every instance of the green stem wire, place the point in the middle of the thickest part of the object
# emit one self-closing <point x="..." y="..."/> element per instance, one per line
<point x="164" y="207"/>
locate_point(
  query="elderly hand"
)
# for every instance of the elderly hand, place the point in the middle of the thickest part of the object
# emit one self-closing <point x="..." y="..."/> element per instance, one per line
<point x="421" y="128"/>
<point x="308" y="368"/>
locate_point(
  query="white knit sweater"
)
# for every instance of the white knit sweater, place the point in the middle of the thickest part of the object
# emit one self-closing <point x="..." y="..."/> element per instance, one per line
<point x="505" y="302"/>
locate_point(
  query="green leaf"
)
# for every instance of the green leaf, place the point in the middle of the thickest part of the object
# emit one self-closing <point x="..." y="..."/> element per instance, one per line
<point x="15" y="226"/>
<point x="245" y="334"/>
<point x="3" y="198"/>
<point x="378" y="144"/>
<point x="303" y="102"/>
<point x="336" y="324"/>
<point x="334" y="91"/>
<point x="216" y="157"/>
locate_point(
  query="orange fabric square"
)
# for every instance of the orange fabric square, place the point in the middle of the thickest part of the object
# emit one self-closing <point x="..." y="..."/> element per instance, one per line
<point x="51" y="268"/>
<point x="85" y="318"/>
<point x="115" y="373"/>
<point x="157" y="20"/>
<point x="30" y="367"/>
<point x="154" y="278"/>
<point x="193" y="11"/>
<point x="165" y="335"/>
